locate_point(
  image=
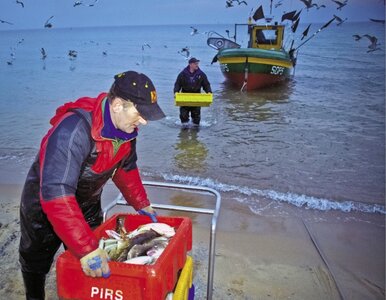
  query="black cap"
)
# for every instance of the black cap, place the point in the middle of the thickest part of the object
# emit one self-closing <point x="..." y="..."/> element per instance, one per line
<point x="139" y="89"/>
<point x="193" y="60"/>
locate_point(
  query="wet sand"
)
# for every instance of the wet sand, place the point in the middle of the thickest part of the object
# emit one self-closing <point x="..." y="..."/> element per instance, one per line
<point x="257" y="257"/>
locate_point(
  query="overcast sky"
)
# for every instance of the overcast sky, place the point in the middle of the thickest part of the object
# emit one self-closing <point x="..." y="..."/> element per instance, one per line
<point x="150" y="12"/>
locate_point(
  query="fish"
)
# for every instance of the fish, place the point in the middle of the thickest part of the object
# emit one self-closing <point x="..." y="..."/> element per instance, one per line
<point x="139" y="250"/>
<point x="161" y="228"/>
<point x="113" y="234"/>
<point x="140" y="260"/>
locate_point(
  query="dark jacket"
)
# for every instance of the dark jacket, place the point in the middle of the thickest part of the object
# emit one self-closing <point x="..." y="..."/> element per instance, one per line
<point x="64" y="185"/>
<point x="188" y="82"/>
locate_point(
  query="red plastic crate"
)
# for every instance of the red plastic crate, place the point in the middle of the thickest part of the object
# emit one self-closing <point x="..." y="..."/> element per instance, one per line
<point x="128" y="281"/>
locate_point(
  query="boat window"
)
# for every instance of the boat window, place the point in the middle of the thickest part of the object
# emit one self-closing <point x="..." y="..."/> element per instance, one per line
<point x="266" y="36"/>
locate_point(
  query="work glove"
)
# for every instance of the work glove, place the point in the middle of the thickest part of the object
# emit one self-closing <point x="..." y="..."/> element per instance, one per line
<point x="95" y="264"/>
<point x="150" y="212"/>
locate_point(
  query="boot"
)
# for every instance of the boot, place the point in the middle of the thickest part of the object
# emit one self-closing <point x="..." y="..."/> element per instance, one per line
<point x="34" y="285"/>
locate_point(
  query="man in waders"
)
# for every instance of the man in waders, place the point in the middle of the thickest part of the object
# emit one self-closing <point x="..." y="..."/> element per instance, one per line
<point x="91" y="141"/>
<point x="191" y="80"/>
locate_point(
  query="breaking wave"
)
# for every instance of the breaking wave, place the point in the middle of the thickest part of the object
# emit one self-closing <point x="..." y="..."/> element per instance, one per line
<point x="298" y="200"/>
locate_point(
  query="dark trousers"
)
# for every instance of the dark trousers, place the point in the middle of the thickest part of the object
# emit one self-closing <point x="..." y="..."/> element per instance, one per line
<point x="195" y="113"/>
<point x="38" y="246"/>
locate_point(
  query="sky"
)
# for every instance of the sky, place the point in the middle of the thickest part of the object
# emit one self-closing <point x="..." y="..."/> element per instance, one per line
<point x="164" y="12"/>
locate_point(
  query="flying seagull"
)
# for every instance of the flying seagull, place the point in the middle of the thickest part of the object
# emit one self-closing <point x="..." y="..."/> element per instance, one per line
<point x="241" y="2"/>
<point x="77" y="3"/>
<point x="340" y="4"/>
<point x="307" y="3"/>
<point x="95" y="2"/>
<point x="21" y="3"/>
<point x="228" y="3"/>
<point x="186" y="51"/>
<point x="48" y="24"/>
<point x="357" y="37"/>
<point x="374" y="43"/>
<point x="340" y="21"/>
<point x="43" y="52"/>
<point x="318" y="6"/>
<point x="145" y="45"/>
<point x="72" y="54"/>
<point x="194" y="30"/>
<point x="278" y="3"/>
<point x="6" y="22"/>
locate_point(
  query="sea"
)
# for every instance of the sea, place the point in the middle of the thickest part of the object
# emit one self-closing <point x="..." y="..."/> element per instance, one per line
<point x="313" y="143"/>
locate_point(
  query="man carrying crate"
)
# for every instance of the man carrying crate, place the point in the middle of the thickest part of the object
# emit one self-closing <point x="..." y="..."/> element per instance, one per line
<point x="91" y="141"/>
<point x="191" y="80"/>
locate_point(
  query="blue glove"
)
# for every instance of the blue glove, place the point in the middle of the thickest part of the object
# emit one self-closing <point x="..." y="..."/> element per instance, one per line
<point x="95" y="264"/>
<point x="153" y="215"/>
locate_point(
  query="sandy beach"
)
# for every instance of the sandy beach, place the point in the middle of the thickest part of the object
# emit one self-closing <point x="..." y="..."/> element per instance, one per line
<point x="257" y="257"/>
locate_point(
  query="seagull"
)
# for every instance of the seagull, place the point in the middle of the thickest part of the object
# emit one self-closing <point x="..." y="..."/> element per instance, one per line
<point x="72" y="54"/>
<point x="194" y="31"/>
<point x="228" y="3"/>
<point x="357" y="37"/>
<point x="278" y="3"/>
<point x="186" y="51"/>
<point x="77" y="3"/>
<point x="104" y="53"/>
<point x="95" y="2"/>
<point x="6" y="22"/>
<point x="43" y="52"/>
<point x="318" y="6"/>
<point x="307" y="3"/>
<point x="340" y="4"/>
<point x="340" y="21"/>
<point x="374" y="43"/>
<point x="145" y="45"/>
<point x="21" y="3"/>
<point x="241" y="2"/>
<point x="47" y="24"/>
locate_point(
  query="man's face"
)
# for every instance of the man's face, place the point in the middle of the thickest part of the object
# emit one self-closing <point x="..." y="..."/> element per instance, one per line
<point x="194" y="66"/>
<point x="126" y="118"/>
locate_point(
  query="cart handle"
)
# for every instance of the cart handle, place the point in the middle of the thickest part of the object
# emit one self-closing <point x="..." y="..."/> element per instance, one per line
<point x="119" y="200"/>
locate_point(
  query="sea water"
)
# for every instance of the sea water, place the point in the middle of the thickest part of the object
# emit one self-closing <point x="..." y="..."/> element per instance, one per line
<point x="316" y="142"/>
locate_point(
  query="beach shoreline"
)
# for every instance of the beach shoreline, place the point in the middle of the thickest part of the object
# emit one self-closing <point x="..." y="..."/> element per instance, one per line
<point x="257" y="257"/>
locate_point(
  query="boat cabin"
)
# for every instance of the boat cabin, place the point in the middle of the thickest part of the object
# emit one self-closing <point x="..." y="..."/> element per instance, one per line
<point x="269" y="37"/>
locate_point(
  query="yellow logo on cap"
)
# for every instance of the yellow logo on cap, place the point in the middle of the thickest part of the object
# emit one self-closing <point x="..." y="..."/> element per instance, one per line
<point x="153" y="95"/>
<point x="120" y="75"/>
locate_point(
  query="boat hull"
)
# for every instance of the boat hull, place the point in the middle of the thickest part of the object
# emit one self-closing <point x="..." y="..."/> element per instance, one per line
<point x="254" y="68"/>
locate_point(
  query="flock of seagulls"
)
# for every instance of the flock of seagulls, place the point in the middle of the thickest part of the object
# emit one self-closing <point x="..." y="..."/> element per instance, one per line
<point x="185" y="51"/>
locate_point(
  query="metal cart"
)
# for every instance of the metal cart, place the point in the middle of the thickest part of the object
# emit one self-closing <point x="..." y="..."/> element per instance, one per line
<point x="119" y="200"/>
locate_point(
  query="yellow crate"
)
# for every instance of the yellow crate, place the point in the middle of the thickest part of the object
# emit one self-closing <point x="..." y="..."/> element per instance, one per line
<point x="193" y="99"/>
<point x="184" y="283"/>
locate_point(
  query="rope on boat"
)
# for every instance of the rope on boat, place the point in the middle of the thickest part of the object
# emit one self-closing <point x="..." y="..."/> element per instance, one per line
<point x="245" y="75"/>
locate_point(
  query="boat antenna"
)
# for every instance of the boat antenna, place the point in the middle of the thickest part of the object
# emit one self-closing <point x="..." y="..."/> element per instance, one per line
<point x="270" y="8"/>
<point x="315" y="33"/>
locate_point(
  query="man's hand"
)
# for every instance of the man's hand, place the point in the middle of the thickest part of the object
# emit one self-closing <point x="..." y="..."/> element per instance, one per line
<point x="150" y="212"/>
<point x="95" y="264"/>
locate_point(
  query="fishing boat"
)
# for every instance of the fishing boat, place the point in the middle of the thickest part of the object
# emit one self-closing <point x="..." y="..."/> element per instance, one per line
<point x="264" y="61"/>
